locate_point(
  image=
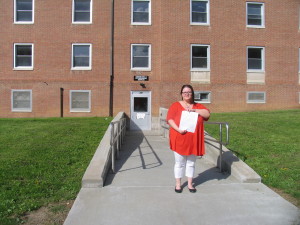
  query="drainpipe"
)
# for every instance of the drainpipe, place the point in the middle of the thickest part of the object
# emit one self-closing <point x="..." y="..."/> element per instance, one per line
<point x="61" y="102"/>
<point x="111" y="85"/>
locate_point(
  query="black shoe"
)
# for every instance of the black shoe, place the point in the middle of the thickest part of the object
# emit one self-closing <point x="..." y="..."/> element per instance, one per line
<point x="194" y="190"/>
<point x="178" y="190"/>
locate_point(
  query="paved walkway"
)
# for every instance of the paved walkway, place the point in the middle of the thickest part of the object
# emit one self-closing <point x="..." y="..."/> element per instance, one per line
<point x="142" y="193"/>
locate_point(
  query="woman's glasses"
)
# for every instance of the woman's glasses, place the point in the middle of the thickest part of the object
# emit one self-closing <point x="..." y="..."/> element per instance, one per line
<point x="186" y="93"/>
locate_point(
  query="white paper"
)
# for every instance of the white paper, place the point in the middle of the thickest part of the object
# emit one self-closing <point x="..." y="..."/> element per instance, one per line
<point x="140" y="115"/>
<point x="188" y="121"/>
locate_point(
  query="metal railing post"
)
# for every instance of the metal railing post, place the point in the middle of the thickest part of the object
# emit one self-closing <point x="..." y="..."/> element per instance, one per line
<point x="112" y="148"/>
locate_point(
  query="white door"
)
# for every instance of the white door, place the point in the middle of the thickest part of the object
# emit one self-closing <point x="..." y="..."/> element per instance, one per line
<point x="140" y="110"/>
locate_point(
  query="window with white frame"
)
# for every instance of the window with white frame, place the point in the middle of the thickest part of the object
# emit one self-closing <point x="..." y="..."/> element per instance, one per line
<point x="199" y="12"/>
<point x="23" y="56"/>
<point x="24" y="11"/>
<point x="256" y="97"/>
<point x="141" y="57"/>
<point x="200" y="57"/>
<point x="202" y="96"/>
<point x="255" y="59"/>
<point x="21" y="100"/>
<point x="82" y="11"/>
<point x="80" y="101"/>
<point x="255" y="15"/>
<point x="81" y="57"/>
<point x="141" y="12"/>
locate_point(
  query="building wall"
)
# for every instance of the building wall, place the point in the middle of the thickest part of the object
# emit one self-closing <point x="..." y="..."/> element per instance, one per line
<point x="170" y="35"/>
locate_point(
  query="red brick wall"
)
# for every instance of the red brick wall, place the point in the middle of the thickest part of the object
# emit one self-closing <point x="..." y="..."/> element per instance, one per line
<point x="170" y="36"/>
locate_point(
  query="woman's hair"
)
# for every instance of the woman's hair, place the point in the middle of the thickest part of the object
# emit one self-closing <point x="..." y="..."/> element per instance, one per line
<point x="190" y="87"/>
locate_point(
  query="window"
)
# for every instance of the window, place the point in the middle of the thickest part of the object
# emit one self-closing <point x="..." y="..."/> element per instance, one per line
<point x="256" y="58"/>
<point x="141" y="12"/>
<point x="200" y="57"/>
<point x="140" y="57"/>
<point x="199" y="12"/>
<point x="80" y="101"/>
<point x="81" y="56"/>
<point x="24" y="11"/>
<point x="202" y="96"/>
<point x="21" y="100"/>
<point x="82" y="11"/>
<point x="256" y="97"/>
<point x="23" y="56"/>
<point x="255" y="15"/>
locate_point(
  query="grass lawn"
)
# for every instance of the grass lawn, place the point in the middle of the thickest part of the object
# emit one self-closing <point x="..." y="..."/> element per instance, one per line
<point x="269" y="142"/>
<point x="43" y="160"/>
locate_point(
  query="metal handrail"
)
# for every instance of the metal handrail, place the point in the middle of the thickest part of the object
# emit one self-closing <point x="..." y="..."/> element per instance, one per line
<point x="163" y="123"/>
<point x="118" y="130"/>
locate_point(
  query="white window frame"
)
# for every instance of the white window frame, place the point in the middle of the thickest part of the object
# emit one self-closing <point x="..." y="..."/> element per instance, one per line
<point x="262" y="15"/>
<point x="82" y="22"/>
<point x="263" y="59"/>
<point x="208" y="58"/>
<point x="23" y="22"/>
<point x="203" y="92"/>
<point x="149" y="59"/>
<point x="32" y="57"/>
<point x="90" y="57"/>
<point x="150" y="10"/>
<point x="80" y="109"/>
<point x="21" y="109"/>
<point x="208" y="13"/>
<point x="256" y="101"/>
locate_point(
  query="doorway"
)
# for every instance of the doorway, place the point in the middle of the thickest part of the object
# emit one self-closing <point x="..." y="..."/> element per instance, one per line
<point x="140" y="110"/>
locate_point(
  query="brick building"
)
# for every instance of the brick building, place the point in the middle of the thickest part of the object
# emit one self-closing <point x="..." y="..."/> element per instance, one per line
<point x="64" y="57"/>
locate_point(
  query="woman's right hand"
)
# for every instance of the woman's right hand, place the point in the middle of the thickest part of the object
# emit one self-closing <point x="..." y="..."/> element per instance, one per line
<point x="182" y="131"/>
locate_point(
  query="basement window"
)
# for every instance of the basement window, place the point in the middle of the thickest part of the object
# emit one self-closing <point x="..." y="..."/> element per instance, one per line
<point x="256" y="97"/>
<point x="21" y="100"/>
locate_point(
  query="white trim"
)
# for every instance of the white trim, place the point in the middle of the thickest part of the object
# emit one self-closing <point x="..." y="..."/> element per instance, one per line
<point x="21" y="109"/>
<point x="141" y="23"/>
<point x="207" y="13"/>
<point x="90" y="57"/>
<point x="208" y="58"/>
<point x="256" y="101"/>
<point x="32" y="57"/>
<point x="262" y="15"/>
<point x="23" y="22"/>
<point x="80" y="109"/>
<point x="149" y="59"/>
<point x="82" y="22"/>
<point x="263" y="59"/>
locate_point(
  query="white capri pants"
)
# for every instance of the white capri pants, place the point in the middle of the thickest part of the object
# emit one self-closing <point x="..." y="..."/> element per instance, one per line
<point x="183" y="164"/>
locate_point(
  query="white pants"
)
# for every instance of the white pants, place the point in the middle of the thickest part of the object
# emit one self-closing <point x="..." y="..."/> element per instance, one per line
<point x="183" y="164"/>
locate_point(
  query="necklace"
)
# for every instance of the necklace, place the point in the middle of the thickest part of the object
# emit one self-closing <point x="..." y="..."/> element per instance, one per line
<point x="188" y="106"/>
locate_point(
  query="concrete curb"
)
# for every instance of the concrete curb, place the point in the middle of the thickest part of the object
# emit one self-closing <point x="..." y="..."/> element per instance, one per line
<point x="230" y="163"/>
<point x="95" y="174"/>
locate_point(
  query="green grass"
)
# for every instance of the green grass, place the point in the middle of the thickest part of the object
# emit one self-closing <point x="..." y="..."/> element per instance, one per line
<point x="269" y="142"/>
<point x="43" y="160"/>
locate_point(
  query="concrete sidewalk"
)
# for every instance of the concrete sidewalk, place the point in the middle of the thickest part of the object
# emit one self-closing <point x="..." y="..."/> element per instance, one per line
<point x="142" y="193"/>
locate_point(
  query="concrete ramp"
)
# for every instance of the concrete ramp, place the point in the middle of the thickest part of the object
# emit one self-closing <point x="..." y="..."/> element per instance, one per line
<point x="142" y="193"/>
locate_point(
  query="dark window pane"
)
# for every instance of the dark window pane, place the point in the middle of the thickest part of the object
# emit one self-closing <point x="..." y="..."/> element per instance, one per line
<point x="140" y="50"/>
<point x="140" y="104"/>
<point x="24" y="16"/>
<point x="140" y="62"/>
<point x="199" y="12"/>
<point x="82" y="17"/>
<point x="142" y="17"/>
<point x="82" y="10"/>
<point x="23" y="55"/>
<point x="24" y="5"/>
<point x="254" y="14"/>
<point x="254" y="58"/>
<point x="200" y="51"/>
<point x="81" y="56"/>
<point x="199" y="63"/>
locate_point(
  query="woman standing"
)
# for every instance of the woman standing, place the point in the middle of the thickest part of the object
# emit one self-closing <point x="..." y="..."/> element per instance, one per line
<point x="186" y="145"/>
